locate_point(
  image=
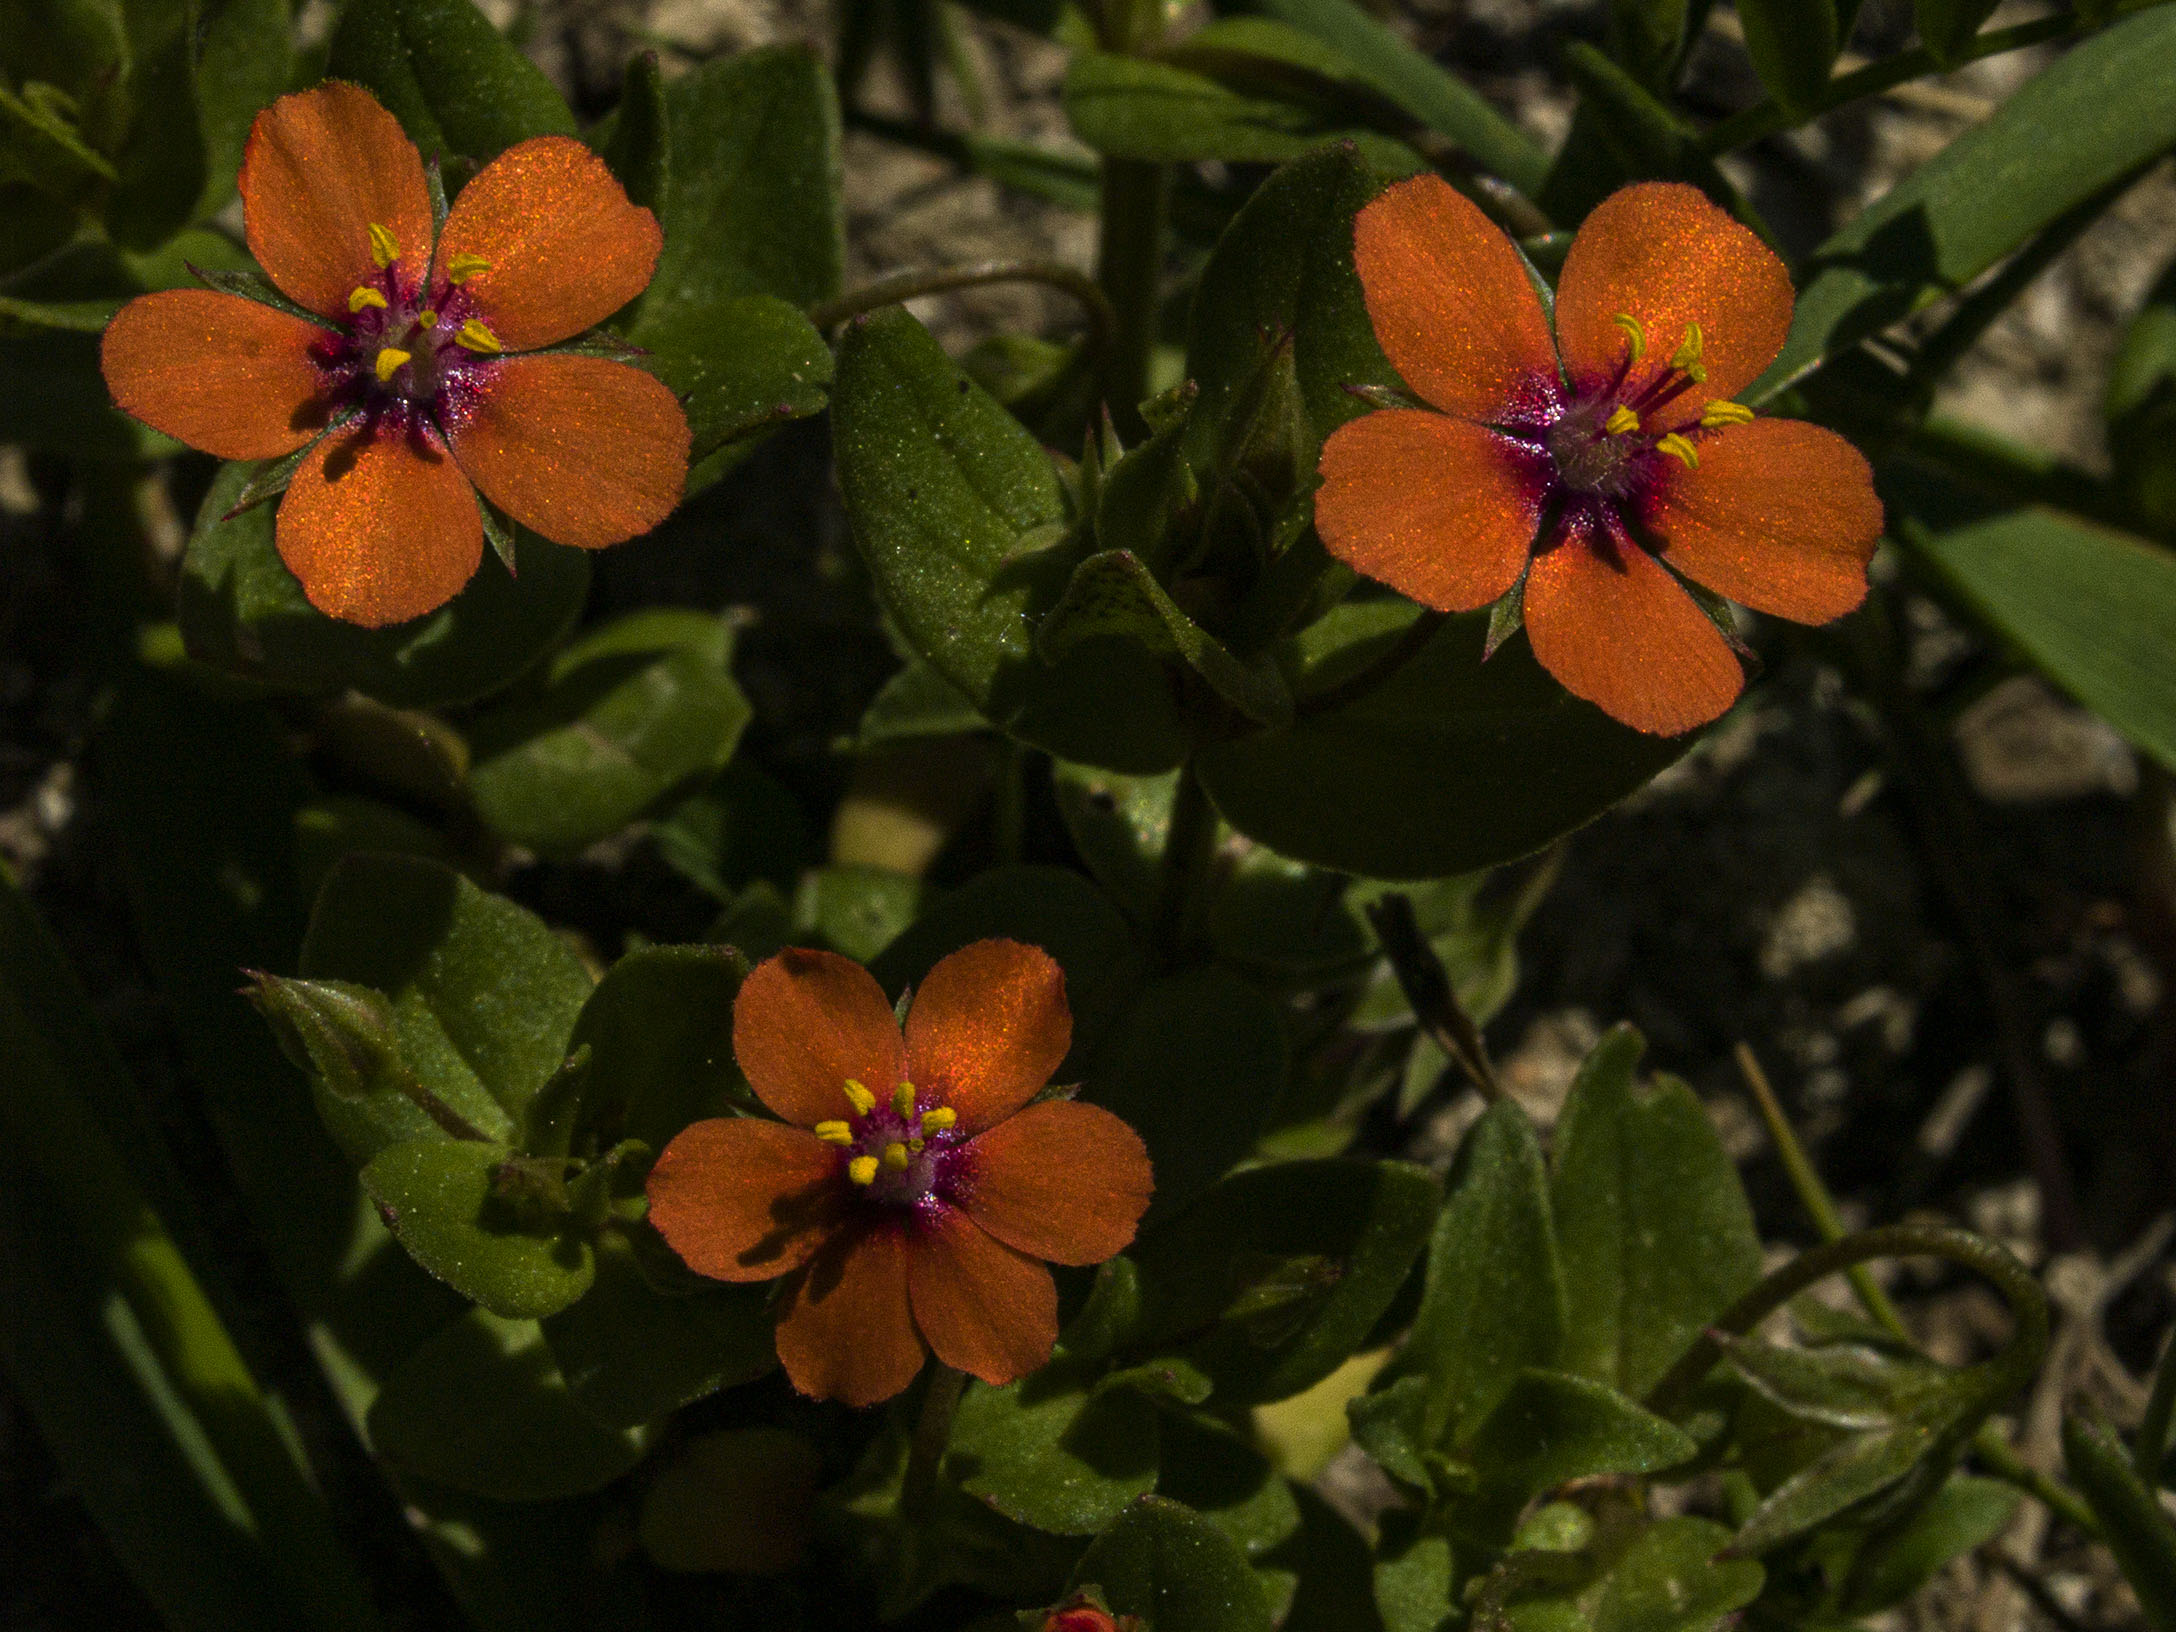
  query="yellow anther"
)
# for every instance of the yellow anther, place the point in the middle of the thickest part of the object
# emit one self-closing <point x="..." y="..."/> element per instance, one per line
<point x="428" y="318"/>
<point x="1719" y="413"/>
<point x="384" y="247"/>
<point x="1679" y="449"/>
<point x="862" y="1169"/>
<point x="363" y="295"/>
<point x="464" y="267"/>
<point x="834" y="1133"/>
<point x="389" y="360"/>
<point x="938" y="1120"/>
<point x="1687" y="355"/>
<point x="903" y="1100"/>
<point x="915" y="1146"/>
<point x="1634" y="332"/>
<point x="1621" y="421"/>
<point x="859" y="1097"/>
<point x="478" y="338"/>
<point x="895" y="1157"/>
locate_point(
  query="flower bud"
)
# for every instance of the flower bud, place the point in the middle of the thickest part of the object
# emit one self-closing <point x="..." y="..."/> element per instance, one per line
<point x="340" y="1032"/>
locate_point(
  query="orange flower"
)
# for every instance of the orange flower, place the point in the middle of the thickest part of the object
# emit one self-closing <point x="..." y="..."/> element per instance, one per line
<point x="414" y="363"/>
<point x="1594" y="466"/>
<point x="908" y="1191"/>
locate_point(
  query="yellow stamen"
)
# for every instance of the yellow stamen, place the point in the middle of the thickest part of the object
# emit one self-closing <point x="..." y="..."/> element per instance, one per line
<point x="895" y="1157"/>
<point x="1687" y="355"/>
<point x="834" y="1133"/>
<point x="389" y="360"/>
<point x="1719" y="413"/>
<point x="464" y="267"/>
<point x="859" y="1097"/>
<point x="1621" y="421"/>
<point x="478" y="338"/>
<point x="903" y="1100"/>
<point x="384" y="247"/>
<point x="938" y="1120"/>
<point x="1679" y="449"/>
<point x="363" y="295"/>
<point x="1634" y="332"/>
<point x="915" y="1146"/>
<point x="428" y="318"/>
<point x="862" y="1169"/>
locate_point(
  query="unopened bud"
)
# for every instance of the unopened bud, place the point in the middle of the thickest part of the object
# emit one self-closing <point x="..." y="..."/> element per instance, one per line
<point x="341" y="1032"/>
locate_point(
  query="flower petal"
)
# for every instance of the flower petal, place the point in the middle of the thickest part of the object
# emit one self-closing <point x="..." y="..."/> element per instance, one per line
<point x="988" y="1026"/>
<point x="1616" y="629"/>
<point x="225" y="375"/>
<point x="1778" y="515"/>
<point x="847" y="1332"/>
<point x="380" y="526"/>
<point x="584" y="450"/>
<point x="1062" y="1181"/>
<point x="1441" y="510"/>
<point x="319" y="168"/>
<point x="804" y="1024"/>
<point x="986" y="1309"/>
<point x="564" y="248"/>
<point x="1451" y="304"/>
<point x="1664" y="254"/>
<point x="745" y="1200"/>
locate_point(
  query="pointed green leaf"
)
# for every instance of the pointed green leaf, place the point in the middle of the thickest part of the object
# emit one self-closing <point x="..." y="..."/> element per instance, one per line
<point x="2132" y="1516"/>
<point x="1049" y="1452"/>
<point x="1551" y="1427"/>
<point x="1842" y="1476"/>
<point x="1964" y="1515"/>
<point x="458" y="86"/>
<point x="1793" y="44"/>
<point x="1175" y="1569"/>
<point x="442" y="1201"/>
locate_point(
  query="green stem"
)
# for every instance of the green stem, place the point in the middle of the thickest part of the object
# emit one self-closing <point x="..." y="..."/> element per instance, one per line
<point x="1429" y="992"/>
<point x="932" y="1433"/>
<point x="889" y="291"/>
<point x="1190" y="875"/>
<point x="1134" y="205"/>
<point x="2151" y="1448"/>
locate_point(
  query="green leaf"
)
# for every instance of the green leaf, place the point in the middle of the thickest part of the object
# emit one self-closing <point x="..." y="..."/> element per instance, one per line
<point x="40" y="146"/>
<point x="635" y="139"/>
<point x="481" y="1407"/>
<point x="1793" y="44"/>
<point x="246" y="59"/>
<point x="484" y="996"/>
<point x="1669" y="1580"/>
<point x="1175" y="1569"/>
<point x="1842" y="1476"/>
<point x="1551" y="1427"/>
<point x="917" y="702"/>
<point x="1286" y="1267"/>
<point x="162" y="163"/>
<point x="1655" y="1234"/>
<point x="741" y="367"/>
<point x="2098" y="111"/>
<point x="55" y="401"/>
<point x="1048" y="1452"/>
<point x="1212" y="1469"/>
<point x="1193" y="1067"/>
<point x="1408" y="781"/>
<point x="2141" y="407"/>
<point x="1408" y="77"/>
<point x="754" y="205"/>
<point x="1413" y="1584"/>
<point x="2134" y="1522"/>
<point x="1946" y="27"/>
<point x="956" y="510"/>
<point x="857" y="911"/>
<point x="1964" y="1515"/>
<point x="2091" y="607"/>
<point x="1049" y="907"/>
<point x="456" y="84"/>
<point x="632" y="1353"/>
<point x="1391" y="1425"/>
<point x="742" y="826"/>
<point x="241" y="610"/>
<point x="659" y="1030"/>
<point x="1648" y="37"/>
<point x="1493" y="1301"/>
<point x="741" y="1500"/>
<point x="442" y="1200"/>
<point x="633" y="712"/>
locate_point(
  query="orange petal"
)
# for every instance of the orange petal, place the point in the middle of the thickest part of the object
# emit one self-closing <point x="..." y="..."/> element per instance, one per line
<point x="564" y="248"/>
<point x="1451" y="304"/>
<point x="1778" y="515"/>
<point x="985" y="1309"/>
<point x="847" y="1333"/>
<point x="988" y="1026"/>
<point x="1616" y="629"/>
<point x="584" y="450"/>
<point x="1441" y="510"/>
<point x="225" y="375"/>
<point x="745" y="1200"/>
<point x="379" y="526"/>
<point x="1062" y="1181"/>
<point x="319" y="167"/>
<point x="804" y="1024"/>
<point x="1662" y="253"/>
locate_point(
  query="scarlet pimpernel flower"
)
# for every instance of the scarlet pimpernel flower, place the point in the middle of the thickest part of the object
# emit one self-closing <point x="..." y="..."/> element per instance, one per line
<point x="421" y="377"/>
<point x="1591" y="469"/>
<point x="912" y="1187"/>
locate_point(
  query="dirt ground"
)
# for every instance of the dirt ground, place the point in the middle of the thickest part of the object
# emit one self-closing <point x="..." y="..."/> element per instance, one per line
<point x="1914" y="956"/>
